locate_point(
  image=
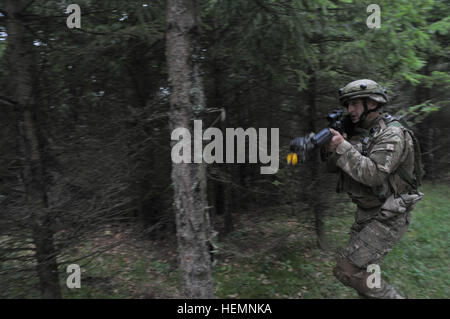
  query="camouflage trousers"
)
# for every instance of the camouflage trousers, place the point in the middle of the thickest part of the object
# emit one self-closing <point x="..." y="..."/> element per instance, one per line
<point x="372" y="237"/>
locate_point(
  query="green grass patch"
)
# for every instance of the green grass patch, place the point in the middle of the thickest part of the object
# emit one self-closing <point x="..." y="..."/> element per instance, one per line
<point x="279" y="258"/>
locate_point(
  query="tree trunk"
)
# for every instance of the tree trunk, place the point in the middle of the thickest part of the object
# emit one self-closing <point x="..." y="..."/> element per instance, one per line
<point x="422" y="94"/>
<point x="228" y="217"/>
<point x="20" y="60"/>
<point x="189" y="180"/>
<point x="222" y="189"/>
<point x="221" y="197"/>
<point x="316" y="202"/>
<point x="430" y="147"/>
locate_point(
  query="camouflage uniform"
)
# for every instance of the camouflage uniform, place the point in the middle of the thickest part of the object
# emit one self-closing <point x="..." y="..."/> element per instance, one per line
<point x="368" y="164"/>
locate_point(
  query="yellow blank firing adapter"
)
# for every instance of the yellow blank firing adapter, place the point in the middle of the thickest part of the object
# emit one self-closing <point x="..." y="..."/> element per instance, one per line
<point x="292" y="158"/>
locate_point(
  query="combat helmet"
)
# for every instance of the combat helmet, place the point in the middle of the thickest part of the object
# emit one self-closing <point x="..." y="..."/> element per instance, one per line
<point x="364" y="88"/>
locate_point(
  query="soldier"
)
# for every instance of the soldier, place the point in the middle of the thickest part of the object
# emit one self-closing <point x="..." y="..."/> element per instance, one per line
<point x="376" y="162"/>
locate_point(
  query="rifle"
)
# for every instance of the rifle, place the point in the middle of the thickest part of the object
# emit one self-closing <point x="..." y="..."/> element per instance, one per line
<point x="302" y="147"/>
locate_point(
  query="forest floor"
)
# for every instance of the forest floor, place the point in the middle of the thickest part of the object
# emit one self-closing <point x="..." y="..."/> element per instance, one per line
<point x="271" y="254"/>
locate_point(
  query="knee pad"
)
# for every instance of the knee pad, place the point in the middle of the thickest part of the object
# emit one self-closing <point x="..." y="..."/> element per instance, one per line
<point x="350" y="275"/>
<point x="344" y="270"/>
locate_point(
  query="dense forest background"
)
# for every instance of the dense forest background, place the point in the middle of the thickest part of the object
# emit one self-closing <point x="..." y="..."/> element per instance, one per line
<point x="85" y="164"/>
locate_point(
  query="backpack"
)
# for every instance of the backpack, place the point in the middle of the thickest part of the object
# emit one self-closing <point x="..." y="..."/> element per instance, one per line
<point x="416" y="180"/>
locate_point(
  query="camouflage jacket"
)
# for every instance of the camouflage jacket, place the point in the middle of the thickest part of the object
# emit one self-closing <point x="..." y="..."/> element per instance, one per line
<point x="368" y="160"/>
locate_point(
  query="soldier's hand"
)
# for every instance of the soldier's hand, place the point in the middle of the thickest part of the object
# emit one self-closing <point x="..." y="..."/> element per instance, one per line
<point x="335" y="140"/>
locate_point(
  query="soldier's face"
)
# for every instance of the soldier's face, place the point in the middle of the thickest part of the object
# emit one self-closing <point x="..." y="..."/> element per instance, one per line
<point x="355" y="109"/>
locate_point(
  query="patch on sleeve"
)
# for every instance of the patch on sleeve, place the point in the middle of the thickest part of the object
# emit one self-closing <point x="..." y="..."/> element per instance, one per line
<point x="383" y="147"/>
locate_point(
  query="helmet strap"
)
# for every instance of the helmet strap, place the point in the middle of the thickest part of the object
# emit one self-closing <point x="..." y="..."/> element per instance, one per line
<point x="367" y="111"/>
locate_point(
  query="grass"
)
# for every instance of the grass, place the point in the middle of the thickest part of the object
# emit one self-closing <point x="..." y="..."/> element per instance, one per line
<point x="133" y="269"/>
<point x="418" y="265"/>
<point x="272" y="254"/>
<point x="285" y="263"/>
